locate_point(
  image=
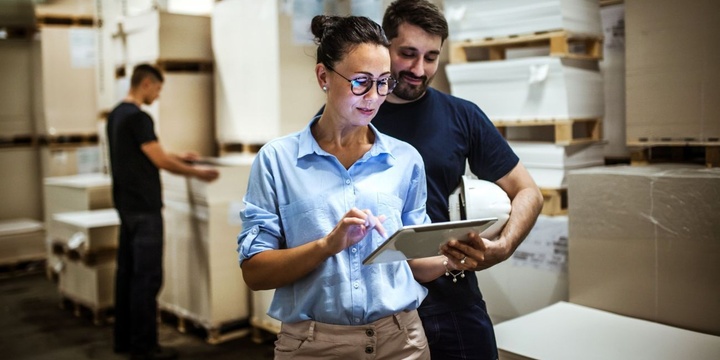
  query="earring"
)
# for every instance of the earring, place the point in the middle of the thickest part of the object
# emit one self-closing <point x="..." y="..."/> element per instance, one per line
<point x="324" y="88"/>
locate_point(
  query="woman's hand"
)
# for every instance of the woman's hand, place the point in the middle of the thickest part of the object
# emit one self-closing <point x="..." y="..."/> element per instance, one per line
<point x="352" y="228"/>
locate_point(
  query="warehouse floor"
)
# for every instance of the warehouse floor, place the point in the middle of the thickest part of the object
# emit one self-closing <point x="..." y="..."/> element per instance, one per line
<point x="33" y="326"/>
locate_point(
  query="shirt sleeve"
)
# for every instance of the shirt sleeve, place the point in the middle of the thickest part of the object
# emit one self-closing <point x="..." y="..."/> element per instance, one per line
<point x="414" y="211"/>
<point x="143" y="128"/>
<point x="490" y="156"/>
<point x="260" y="218"/>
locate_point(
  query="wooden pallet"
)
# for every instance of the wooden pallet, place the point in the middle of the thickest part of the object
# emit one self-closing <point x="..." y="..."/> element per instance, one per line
<point x="198" y="66"/>
<point x="566" y="132"/>
<point x="17" y="33"/>
<point x="232" y="148"/>
<point x="263" y="331"/>
<point x="66" y="20"/>
<point x="99" y="315"/>
<point x="20" y="267"/>
<point x="14" y="141"/>
<point x="213" y="335"/>
<point x="561" y="43"/>
<point x="68" y="140"/>
<point x="555" y="202"/>
<point x="707" y="154"/>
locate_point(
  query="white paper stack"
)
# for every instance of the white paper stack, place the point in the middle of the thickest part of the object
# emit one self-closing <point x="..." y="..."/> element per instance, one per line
<point x="247" y="89"/>
<point x="478" y="19"/>
<point x="549" y="164"/>
<point x="530" y="88"/>
<point x="203" y="280"/>
<point x="92" y="285"/>
<point x="84" y="232"/>
<point x="569" y="331"/>
<point x="21" y="240"/>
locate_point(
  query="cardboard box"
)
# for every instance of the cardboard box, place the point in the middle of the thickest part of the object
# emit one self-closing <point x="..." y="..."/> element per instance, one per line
<point x="203" y="280"/>
<point x="534" y="277"/>
<point x="566" y="331"/>
<point x="21" y="240"/>
<point x="16" y="87"/>
<point x="84" y="232"/>
<point x="671" y="72"/>
<point x="69" y="160"/>
<point x="65" y="100"/>
<point x="479" y="19"/>
<point x="92" y="285"/>
<point x="158" y="35"/>
<point x="20" y="183"/>
<point x="528" y="89"/>
<point x="644" y="243"/>
<point x="76" y="193"/>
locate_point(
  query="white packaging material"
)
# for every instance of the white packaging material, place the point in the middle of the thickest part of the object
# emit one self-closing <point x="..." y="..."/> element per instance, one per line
<point x="566" y="331"/>
<point x="549" y="164"/>
<point x="531" y="88"/>
<point x="478" y="19"/>
<point x="247" y="89"/>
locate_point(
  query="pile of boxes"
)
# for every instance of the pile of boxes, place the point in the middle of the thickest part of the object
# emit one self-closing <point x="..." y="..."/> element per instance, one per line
<point x="82" y="233"/>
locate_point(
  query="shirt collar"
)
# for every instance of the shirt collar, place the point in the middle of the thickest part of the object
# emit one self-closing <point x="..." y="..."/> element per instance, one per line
<point x="308" y="145"/>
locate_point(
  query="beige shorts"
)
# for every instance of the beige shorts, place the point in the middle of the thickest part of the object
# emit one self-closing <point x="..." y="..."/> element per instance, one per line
<point x="399" y="336"/>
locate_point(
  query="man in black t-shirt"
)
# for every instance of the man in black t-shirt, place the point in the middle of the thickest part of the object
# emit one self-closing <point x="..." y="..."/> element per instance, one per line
<point x="448" y="132"/>
<point x="136" y="158"/>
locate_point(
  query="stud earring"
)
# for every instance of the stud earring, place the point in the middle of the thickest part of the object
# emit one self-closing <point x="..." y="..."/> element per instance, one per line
<point x="324" y="88"/>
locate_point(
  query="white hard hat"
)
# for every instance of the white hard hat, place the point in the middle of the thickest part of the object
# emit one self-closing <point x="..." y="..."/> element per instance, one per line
<point x="476" y="199"/>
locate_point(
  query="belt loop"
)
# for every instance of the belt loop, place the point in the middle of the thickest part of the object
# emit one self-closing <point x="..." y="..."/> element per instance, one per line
<point x="399" y="321"/>
<point x="311" y="331"/>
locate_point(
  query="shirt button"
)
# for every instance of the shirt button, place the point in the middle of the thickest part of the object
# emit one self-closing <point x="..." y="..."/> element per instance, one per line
<point x="357" y="320"/>
<point x="369" y="349"/>
<point x="347" y="181"/>
<point x="354" y="250"/>
<point x="369" y="332"/>
<point x="356" y="285"/>
<point x="254" y="231"/>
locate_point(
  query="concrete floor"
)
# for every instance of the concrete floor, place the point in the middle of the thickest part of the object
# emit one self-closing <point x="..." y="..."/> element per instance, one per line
<point x="33" y="326"/>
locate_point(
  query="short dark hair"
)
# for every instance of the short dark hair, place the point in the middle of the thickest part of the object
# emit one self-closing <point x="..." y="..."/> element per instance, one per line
<point x="337" y="35"/>
<point x="142" y="71"/>
<point x="420" y="13"/>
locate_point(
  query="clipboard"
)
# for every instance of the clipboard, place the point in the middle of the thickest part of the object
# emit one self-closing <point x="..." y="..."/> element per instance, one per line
<point x="419" y="241"/>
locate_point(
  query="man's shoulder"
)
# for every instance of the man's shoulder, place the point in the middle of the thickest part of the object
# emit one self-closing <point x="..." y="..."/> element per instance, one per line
<point x="452" y="100"/>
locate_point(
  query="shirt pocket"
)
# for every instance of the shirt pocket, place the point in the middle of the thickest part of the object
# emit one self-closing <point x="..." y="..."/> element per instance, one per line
<point x="305" y="220"/>
<point x="391" y="206"/>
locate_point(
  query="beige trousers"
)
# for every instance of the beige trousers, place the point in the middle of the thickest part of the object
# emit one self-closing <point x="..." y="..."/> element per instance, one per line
<point x="399" y="336"/>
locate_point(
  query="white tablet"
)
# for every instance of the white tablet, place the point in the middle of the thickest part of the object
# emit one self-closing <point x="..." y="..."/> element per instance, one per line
<point x="419" y="241"/>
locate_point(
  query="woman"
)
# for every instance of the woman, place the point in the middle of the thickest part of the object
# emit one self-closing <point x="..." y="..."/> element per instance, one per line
<point x="303" y="231"/>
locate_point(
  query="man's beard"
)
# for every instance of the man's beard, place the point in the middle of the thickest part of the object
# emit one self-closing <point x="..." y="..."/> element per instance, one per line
<point x="410" y="92"/>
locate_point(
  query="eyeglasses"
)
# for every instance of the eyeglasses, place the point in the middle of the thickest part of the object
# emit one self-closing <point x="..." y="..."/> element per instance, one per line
<point x="362" y="84"/>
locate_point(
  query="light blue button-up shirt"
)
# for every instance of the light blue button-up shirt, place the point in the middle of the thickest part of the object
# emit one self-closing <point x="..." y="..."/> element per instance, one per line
<point x="298" y="192"/>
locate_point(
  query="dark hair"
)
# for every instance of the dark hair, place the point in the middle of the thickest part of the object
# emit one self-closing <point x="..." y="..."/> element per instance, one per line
<point x="337" y="35"/>
<point x="420" y="13"/>
<point x="142" y="71"/>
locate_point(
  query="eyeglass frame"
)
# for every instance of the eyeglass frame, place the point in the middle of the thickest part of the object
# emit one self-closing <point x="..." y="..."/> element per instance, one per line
<point x="372" y="81"/>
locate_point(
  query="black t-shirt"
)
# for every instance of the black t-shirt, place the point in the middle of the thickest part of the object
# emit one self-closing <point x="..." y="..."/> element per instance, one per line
<point x="448" y="131"/>
<point x="136" y="180"/>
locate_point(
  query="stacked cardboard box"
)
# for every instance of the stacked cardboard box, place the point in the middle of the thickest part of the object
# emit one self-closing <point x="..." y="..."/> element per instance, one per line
<point x="644" y="243"/>
<point x="180" y="45"/>
<point x="21" y="240"/>
<point x="71" y="194"/>
<point x="203" y="281"/>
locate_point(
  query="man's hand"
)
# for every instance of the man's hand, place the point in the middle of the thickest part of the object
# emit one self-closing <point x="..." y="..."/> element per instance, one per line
<point x="479" y="253"/>
<point x="206" y="173"/>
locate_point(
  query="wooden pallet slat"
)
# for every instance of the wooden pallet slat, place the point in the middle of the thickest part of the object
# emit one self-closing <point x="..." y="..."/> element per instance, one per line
<point x="707" y="153"/>
<point x="555" y="202"/>
<point x="214" y="335"/>
<point x="98" y="314"/>
<point x="566" y="131"/>
<point x="561" y="43"/>
<point x="66" y="20"/>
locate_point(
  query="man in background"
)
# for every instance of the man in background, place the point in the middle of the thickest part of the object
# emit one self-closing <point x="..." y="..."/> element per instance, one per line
<point x="136" y="158"/>
<point x="450" y="132"/>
